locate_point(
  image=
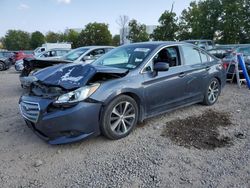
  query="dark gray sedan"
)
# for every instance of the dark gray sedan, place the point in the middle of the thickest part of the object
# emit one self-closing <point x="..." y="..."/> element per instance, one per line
<point x="67" y="103"/>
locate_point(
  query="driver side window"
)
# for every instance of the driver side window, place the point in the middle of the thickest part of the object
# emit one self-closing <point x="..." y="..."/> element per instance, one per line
<point x="96" y="53"/>
<point x="168" y="55"/>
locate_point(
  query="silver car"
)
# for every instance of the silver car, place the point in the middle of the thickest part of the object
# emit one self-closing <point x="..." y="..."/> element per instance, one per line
<point x="86" y="54"/>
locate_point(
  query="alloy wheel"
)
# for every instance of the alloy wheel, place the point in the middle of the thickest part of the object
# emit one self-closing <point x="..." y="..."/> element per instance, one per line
<point x="122" y="117"/>
<point x="213" y="91"/>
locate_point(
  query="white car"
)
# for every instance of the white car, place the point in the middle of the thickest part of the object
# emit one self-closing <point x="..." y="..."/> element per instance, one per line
<point x="53" y="53"/>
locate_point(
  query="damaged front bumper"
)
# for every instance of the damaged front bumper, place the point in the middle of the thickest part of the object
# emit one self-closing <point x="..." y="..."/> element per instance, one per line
<point x="27" y="80"/>
<point x="60" y="125"/>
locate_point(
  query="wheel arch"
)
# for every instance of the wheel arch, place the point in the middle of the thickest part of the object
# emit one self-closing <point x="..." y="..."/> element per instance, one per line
<point x="134" y="96"/>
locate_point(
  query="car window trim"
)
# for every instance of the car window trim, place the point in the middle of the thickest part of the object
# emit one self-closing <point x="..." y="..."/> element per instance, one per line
<point x="150" y="60"/>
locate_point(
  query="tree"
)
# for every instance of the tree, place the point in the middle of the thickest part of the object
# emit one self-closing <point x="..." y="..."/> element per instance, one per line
<point x="226" y="21"/>
<point x="53" y="37"/>
<point x="201" y="20"/>
<point x="95" y="34"/>
<point x="167" y="28"/>
<point x="116" y="40"/>
<point x="73" y="37"/>
<point x="16" y="40"/>
<point x="232" y="21"/>
<point x="137" y="32"/>
<point x="245" y="30"/>
<point x="37" y="39"/>
<point x="123" y="21"/>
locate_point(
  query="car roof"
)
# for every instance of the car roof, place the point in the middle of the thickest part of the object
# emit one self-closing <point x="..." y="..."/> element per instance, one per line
<point x="158" y="43"/>
<point x="94" y="47"/>
<point x="59" y="49"/>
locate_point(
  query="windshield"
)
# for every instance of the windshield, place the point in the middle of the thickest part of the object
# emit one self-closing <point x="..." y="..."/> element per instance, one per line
<point x="75" y="54"/>
<point x="127" y="57"/>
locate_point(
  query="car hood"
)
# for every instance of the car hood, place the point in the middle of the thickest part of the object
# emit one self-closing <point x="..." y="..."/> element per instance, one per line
<point x="74" y="75"/>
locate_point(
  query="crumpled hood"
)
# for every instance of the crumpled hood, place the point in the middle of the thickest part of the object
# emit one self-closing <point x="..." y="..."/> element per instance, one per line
<point x="74" y="75"/>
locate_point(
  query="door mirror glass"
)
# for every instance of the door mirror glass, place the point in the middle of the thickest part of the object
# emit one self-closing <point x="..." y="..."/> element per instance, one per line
<point x="161" y="66"/>
<point x="86" y="58"/>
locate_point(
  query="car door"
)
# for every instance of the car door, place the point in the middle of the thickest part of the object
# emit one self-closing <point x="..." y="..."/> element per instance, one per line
<point x="196" y="68"/>
<point x="165" y="90"/>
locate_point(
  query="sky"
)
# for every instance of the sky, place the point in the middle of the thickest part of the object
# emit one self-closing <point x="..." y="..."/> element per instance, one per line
<point x="58" y="15"/>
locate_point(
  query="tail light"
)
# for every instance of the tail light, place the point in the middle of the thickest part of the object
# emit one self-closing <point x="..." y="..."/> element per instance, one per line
<point x="225" y="65"/>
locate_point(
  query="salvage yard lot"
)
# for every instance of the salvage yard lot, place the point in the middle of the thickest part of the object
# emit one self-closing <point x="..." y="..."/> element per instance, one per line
<point x="196" y="146"/>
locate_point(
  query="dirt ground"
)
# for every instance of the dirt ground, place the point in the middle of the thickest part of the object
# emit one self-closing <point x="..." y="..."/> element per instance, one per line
<point x="195" y="146"/>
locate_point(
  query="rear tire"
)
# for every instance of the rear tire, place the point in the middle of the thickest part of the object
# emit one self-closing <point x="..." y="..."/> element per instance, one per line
<point x="212" y="92"/>
<point x="119" y="117"/>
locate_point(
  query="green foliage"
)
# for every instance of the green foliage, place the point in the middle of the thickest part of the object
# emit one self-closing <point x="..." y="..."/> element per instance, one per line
<point x="116" y="40"/>
<point x="245" y="31"/>
<point x="53" y="37"/>
<point x="95" y="34"/>
<point x="16" y="40"/>
<point x="137" y="32"/>
<point x="37" y="39"/>
<point x="231" y="21"/>
<point x="226" y="21"/>
<point x="200" y="20"/>
<point x="73" y="37"/>
<point x="167" y="28"/>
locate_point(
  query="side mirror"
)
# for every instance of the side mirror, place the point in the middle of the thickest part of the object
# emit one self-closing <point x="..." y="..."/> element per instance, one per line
<point x="161" y="67"/>
<point x="86" y="58"/>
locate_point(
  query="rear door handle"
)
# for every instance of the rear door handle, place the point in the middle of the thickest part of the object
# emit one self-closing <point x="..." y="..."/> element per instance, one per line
<point x="182" y="74"/>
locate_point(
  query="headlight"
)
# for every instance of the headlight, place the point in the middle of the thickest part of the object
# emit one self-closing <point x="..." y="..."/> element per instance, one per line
<point x="77" y="95"/>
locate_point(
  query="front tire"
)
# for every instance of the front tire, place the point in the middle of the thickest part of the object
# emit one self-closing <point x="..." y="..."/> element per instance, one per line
<point x="119" y="117"/>
<point x="2" y="66"/>
<point x="212" y="92"/>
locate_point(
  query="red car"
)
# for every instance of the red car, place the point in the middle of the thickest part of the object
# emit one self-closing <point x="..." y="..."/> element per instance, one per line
<point x="23" y="54"/>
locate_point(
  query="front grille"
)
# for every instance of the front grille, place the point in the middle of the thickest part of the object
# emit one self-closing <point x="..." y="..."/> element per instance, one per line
<point x="30" y="110"/>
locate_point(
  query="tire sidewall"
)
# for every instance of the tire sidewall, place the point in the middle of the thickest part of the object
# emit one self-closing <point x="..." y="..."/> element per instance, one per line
<point x="206" y="101"/>
<point x="2" y="65"/>
<point x="105" y="117"/>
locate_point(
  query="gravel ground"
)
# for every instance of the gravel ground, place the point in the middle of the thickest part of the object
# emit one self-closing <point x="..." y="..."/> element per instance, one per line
<point x="146" y="158"/>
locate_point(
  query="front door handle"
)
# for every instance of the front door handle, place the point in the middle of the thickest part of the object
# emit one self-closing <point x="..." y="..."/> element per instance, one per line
<point x="182" y="74"/>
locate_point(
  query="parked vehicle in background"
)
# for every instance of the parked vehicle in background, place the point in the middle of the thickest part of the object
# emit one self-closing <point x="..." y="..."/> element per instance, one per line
<point x="20" y="55"/>
<point x="8" y="54"/>
<point x="221" y="51"/>
<point x="19" y="65"/>
<point x="19" y="58"/>
<point x="84" y="55"/>
<point x="205" y="44"/>
<point x="53" y="53"/>
<point x="244" y="49"/>
<point x="5" y="63"/>
<point x="48" y="46"/>
<point x="67" y="103"/>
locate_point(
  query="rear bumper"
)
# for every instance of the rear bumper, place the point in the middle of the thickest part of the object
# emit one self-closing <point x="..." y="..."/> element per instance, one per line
<point x="60" y="126"/>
